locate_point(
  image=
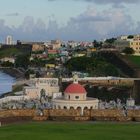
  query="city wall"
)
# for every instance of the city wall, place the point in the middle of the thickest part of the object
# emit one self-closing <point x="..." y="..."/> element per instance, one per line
<point x="105" y="82"/>
<point x="10" y="116"/>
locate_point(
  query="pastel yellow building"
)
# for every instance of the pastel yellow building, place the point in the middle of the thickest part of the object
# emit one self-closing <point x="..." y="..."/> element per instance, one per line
<point x="135" y="45"/>
<point x="93" y="49"/>
<point x="37" y="47"/>
<point x="50" y="65"/>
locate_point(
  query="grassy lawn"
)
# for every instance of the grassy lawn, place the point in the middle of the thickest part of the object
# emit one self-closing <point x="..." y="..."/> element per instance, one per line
<point x="134" y="59"/>
<point x="70" y="131"/>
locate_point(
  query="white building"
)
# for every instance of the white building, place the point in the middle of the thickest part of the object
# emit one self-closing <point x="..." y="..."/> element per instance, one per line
<point x="130" y="102"/>
<point x="75" y="97"/>
<point x="13" y="98"/>
<point x="8" y="59"/>
<point x="9" y="40"/>
<point x="38" y="86"/>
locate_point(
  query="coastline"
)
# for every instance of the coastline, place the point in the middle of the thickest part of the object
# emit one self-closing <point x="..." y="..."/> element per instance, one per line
<point x="13" y="72"/>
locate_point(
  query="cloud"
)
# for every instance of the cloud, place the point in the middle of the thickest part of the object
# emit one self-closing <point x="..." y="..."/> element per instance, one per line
<point x="92" y="24"/>
<point x="89" y="25"/>
<point x="13" y="14"/>
<point x="108" y="1"/>
<point x="91" y="16"/>
<point x="119" y="4"/>
<point x="112" y="1"/>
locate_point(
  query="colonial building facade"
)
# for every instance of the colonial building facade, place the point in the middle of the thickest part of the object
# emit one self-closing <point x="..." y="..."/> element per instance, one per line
<point x="38" y="86"/>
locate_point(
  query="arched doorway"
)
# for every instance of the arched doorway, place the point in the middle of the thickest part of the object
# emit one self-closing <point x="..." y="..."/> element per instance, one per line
<point x="85" y="108"/>
<point x="79" y="108"/>
<point x="65" y="107"/>
<point x="71" y="108"/>
<point x="91" y="107"/>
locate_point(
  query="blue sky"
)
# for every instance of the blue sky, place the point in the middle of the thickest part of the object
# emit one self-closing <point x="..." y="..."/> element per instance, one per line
<point x="68" y="19"/>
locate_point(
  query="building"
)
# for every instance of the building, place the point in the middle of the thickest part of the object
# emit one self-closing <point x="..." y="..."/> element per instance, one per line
<point x="38" y="47"/>
<point x="9" y="40"/>
<point x="39" y="86"/>
<point x="130" y="102"/>
<point x="52" y="53"/>
<point x="13" y="98"/>
<point x="75" y="97"/>
<point x="8" y="59"/>
<point x="121" y="44"/>
<point x="132" y="41"/>
<point x="123" y="37"/>
<point x="72" y="44"/>
<point x="56" y="44"/>
<point x="135" y="45"/>
<point x="50" y="66"/>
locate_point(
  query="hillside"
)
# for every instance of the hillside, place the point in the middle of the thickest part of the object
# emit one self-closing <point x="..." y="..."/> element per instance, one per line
<point x="95" y="66"/>
<point x="9" y="51"/>
<point x="134" y="59"/>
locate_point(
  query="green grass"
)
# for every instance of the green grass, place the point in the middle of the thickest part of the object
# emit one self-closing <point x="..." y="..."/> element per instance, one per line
<point x="134" y="59"/>
<point x="70" y="131"/>
<point x="9" y="52"/>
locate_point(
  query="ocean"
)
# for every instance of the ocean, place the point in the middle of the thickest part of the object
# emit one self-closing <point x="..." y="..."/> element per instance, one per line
<point x="6" y="82"/>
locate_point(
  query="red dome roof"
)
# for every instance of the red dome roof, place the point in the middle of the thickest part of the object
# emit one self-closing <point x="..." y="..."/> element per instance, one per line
<point x="75" y="88"/>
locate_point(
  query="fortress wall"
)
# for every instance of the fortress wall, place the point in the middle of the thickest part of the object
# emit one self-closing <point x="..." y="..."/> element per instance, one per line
<point x="136" y="93"/>
<point x="128" y="82"/>
<point x="64" y="112"/>
<point x="106" y="113"/>
<point x="17" y="113"/>
<point x="98" y="115"/>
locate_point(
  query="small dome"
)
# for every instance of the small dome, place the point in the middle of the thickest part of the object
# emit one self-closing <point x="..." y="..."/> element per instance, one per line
<point x="75" y="89"/>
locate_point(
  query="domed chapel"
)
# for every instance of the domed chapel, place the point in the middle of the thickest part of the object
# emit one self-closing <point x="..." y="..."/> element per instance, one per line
<point x="75" y="97"/>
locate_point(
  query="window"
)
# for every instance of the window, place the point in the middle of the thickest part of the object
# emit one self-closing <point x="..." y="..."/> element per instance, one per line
<point x="76" y="97"/>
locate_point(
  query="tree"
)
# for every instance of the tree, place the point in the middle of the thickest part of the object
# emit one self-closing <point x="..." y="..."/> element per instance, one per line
<point x="7" y="64"/>
<point x="43" y="93"/>
<point x="93" y="65"/>
<point x="22" y="61"/>
<point x="96" y="44"/>
<point x="130" y="37"/>
<point x="37" y="62"/>
<point x="28" y="72"/>
<point x="128" y="50"/>
<point x="111" y="40"/>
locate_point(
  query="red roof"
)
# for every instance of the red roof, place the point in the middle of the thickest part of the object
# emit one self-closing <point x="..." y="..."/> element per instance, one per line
<point x="75" y="88"/>
<point x="52" y="51"/>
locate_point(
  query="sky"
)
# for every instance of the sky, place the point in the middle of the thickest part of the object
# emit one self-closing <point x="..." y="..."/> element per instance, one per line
<point x="79" y="20"/>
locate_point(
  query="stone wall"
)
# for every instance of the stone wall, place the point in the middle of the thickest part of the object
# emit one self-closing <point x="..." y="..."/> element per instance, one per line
<point x="17" y="113"/>
<point x="64" y="113"/>
<point x="110" y="115"/>
<point x="51" y="114"/>
<point x="136" y="93"/>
